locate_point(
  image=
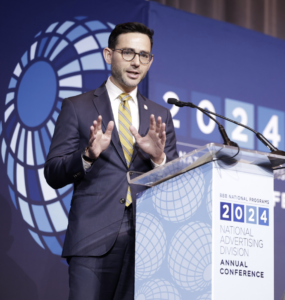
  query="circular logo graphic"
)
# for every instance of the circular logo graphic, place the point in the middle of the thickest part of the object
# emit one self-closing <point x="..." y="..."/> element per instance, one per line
<point x="179" y="198"/>
<point x="157" y="289"/>
<point x="190" y="256"/>
<point x="150" y="245"/>
<point x="64" y="60"/>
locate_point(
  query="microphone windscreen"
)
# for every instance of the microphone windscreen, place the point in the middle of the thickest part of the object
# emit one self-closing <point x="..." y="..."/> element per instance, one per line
<point x="172" y="101"/>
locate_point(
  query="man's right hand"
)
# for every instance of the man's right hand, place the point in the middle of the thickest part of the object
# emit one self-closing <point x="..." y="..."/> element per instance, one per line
<point x="99" y="141"/>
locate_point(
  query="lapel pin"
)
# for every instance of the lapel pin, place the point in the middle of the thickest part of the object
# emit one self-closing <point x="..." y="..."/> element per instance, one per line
<point x="145" y="107"/>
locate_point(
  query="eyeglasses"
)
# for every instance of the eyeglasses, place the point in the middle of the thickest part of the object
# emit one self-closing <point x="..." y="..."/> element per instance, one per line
<point x="129" y="55"/>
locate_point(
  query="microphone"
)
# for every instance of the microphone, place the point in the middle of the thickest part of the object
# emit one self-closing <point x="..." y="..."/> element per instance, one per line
<point x="177" y="102"/>
<point x="221" y="128"/>
<point x="265" y="142"/>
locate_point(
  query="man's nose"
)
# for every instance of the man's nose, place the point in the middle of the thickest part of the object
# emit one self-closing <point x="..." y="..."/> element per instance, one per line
<point x="136" y="60"/>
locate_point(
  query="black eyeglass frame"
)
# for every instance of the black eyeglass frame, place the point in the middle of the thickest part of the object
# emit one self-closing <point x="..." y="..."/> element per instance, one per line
<point x="135" y="53"/>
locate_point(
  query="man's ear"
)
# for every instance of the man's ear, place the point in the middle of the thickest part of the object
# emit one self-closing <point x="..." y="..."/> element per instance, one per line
<point x="107" y="53"/>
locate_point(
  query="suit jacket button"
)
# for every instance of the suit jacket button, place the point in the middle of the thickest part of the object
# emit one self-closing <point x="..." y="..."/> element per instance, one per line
<point x="122" y="201"/>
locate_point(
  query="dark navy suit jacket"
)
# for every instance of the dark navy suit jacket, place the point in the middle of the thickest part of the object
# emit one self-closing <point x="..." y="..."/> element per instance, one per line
<point x="96" y="210"/>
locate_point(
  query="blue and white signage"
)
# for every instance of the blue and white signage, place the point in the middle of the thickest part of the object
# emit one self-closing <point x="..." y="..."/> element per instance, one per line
<point x="243" y="113"/>
<point x="174" y="239"/>
<point x="203" y="233"/>
<point x="64" y="60"/>
<point x="202" y="127"/>
<point x="271" y="125"/>
<point x="243" y="233"/>
<point x="179" y="115"/>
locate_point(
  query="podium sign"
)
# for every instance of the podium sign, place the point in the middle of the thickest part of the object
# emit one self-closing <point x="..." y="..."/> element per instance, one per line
<point x="207" y="231"/>
<point x="243" y="257"/>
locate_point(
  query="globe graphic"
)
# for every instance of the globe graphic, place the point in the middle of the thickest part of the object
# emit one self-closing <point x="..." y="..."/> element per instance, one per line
<point x="142" y="196"/>
<point x="209" y="200"/>
<point x="190" y="256"/>
<point x="150" y="245"/>
<point x="157" y="289"/>
<point x="179" y="198"/>
<point x="206" y="296"/>
<point x="64" y="60"/>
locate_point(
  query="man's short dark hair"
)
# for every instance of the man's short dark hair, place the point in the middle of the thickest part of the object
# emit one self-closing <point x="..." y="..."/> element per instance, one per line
<point x="126" y="28"/>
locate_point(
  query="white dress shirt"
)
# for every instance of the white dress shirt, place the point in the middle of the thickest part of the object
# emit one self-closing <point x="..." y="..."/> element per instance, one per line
<point x="114" y="92"/>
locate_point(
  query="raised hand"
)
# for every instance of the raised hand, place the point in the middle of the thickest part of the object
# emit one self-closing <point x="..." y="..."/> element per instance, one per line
<point x="154" y="142"/>
<point x="99" y="141"/>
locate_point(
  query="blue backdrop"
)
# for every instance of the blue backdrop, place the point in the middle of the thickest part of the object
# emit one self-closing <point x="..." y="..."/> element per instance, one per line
<point x="51" y="50"/>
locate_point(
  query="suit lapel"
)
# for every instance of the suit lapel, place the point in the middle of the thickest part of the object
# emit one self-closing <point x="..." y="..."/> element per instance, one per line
<point x="103" y="106"/>
<point x="144" y="119"/>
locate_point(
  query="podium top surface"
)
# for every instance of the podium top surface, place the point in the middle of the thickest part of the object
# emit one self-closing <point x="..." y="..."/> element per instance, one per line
<point x="223" y="154"/>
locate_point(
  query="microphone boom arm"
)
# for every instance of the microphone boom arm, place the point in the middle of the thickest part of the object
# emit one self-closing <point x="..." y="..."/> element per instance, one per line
<point x="221" y="128"/>
<point x="258" y="135"/>
<point x="262" y="138"/>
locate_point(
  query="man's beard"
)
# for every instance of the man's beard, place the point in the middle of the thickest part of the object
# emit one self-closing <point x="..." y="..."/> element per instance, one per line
<point x="117" y="74"/>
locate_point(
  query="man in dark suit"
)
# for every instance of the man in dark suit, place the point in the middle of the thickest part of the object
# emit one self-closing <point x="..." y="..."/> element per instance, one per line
<point x="124" y="136"/>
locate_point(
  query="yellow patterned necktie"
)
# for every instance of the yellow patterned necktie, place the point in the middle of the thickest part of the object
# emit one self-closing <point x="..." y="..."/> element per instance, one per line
<point x="126" y="138"/>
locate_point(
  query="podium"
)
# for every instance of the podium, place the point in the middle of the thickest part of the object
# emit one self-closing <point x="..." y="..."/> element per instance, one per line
<point x="205" y="225"/>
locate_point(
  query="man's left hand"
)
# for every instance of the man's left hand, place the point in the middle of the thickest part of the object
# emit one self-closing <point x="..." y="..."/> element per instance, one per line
<point x="154" y="142"/>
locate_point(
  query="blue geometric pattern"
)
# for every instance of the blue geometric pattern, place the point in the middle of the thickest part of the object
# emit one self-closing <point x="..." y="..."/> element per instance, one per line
<point x="174" y="238"/>
<point x="184" y="199"/>
<point x="190" y="256"/>
<point x="150" y="233"/>
<point x="64" y="60"/>
<point x="157" y="289"/>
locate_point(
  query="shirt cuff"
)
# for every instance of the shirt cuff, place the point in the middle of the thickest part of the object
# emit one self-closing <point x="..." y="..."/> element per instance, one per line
<point x="154" y="165"/>
<point x="86" y="164"/>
